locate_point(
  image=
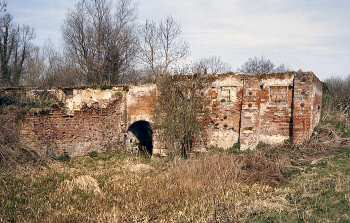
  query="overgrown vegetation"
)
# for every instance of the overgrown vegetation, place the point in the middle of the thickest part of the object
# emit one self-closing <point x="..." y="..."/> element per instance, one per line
<point x="336" y="105"/>
<point x="122" y="189"/>
<point x="320" y="193"/>
<point x="337" y="95"/>
<point x="273" y="184"/>
<point x="15" y="45"/>
<point x="180" y="113"/>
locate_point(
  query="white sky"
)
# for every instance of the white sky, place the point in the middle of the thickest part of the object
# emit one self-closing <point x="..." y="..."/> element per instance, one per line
<point x="308" y="34"/>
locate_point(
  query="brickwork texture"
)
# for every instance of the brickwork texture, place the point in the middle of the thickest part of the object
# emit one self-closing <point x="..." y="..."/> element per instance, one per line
<point x="243" y="109"/>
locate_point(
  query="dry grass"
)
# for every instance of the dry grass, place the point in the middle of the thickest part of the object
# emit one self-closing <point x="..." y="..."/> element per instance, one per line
<point x="214" y="187"/>
<point x="210" y="188"/>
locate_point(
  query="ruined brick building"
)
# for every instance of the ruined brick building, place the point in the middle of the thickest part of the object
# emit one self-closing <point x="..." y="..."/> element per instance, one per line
<point x="247" y="109"/>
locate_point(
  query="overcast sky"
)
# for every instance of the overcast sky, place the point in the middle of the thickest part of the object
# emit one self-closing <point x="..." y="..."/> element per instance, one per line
<point x="308" y="34"/>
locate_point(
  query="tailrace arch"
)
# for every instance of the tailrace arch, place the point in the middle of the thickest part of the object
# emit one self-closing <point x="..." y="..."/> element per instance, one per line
<point x="143" y="136"/>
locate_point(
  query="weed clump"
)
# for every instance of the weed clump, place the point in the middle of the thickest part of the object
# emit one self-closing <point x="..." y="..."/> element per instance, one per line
<point x="235" y="149"/>
<point x="93" y="154"/>
<point x="65" y="157"/>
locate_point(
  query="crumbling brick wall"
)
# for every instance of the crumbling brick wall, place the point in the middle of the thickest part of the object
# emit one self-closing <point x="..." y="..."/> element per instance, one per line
<point x="307" y="105"/>
<point x="225" y="102"/>
<point x="90" y="129"/>
<point x="243" y="109"/>
<point x="264" y="109"/>
<point x="88" y="120"/>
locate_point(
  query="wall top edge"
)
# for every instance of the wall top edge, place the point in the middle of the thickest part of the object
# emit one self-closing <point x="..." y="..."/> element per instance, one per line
<point x="177" y="77"/>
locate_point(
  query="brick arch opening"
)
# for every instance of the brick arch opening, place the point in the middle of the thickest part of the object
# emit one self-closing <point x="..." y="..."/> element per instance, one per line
<point x="143" y="132"/>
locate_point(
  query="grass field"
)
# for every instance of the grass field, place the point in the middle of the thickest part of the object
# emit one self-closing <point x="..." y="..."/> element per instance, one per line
<point x="262" y="186"/>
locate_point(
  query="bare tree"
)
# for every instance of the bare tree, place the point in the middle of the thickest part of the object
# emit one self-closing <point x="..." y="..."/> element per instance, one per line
<point x="173" y="48"/>
<point x="59" y="70"/>
<point x="101" y="43"/>
<point x="281" y="69"/>
<point x="210" y="65"/>
<point x="161" y="46"/>
<point x="337" y="96"/>
<point x="3" y="7"/>
<point x="47" y="67"/>
<point x="180" y="112"/>
<point x="34" y="68"/>
<point x="15" y="46"/>
<point x="257" y="66"/>
<point x="149" y="46"/>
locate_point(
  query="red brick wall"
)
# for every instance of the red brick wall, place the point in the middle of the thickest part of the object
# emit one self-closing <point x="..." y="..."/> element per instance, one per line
<point x="276" y="98"/>
<point x="307" y="103"/>
<point x="267" y="110"/>
<point x="91" y="129"/>
<point x="245" y="109"/>
<point x="225" y="101"/>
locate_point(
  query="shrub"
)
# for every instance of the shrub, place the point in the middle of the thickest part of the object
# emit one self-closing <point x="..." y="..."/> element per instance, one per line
<point x="337" y="95"/>
<point x="235" y="149"/>
<point x="93" y="154"/>
<point x="63" y="158"/>
<point x="180" y="113"/>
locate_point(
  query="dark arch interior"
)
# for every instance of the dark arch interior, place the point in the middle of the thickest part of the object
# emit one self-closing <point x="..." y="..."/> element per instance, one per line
<point x="143" y="132"/>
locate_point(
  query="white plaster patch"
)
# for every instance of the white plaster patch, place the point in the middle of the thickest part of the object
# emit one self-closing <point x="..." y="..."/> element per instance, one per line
<point x="249" y="143"/>
<point x="273" y="140"/>
<point x="244" y="147"/>
<point x="224" y="139"/>
<point x="88" y="97"/>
